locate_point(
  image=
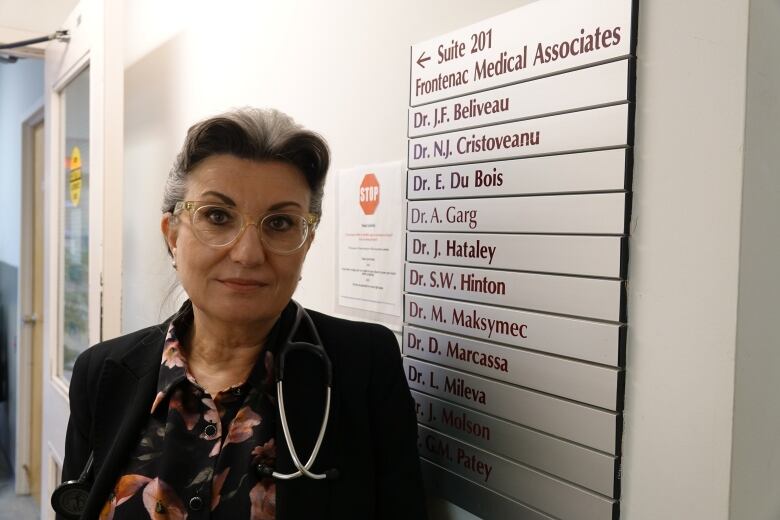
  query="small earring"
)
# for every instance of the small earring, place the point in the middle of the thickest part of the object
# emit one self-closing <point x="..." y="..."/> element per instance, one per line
<point x="300" y="278"/>
<point x="173" y="262"/>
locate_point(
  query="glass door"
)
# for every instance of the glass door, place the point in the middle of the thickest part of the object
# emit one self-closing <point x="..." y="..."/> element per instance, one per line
<point x="74" y="238"/>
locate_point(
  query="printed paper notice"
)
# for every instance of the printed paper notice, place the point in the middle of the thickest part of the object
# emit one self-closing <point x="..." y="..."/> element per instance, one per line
<point x="371" y="237"/>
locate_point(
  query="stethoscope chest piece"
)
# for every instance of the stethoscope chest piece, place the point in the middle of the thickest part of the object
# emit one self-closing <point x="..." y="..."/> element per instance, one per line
<point x="70" y="498"/>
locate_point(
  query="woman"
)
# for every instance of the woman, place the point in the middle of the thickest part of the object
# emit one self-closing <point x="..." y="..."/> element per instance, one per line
<point x="183" y="419"/>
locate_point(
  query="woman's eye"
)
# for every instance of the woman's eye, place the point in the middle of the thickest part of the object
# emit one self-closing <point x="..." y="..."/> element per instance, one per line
<point x="218" y="216"/>
<point x="280" y="223"/>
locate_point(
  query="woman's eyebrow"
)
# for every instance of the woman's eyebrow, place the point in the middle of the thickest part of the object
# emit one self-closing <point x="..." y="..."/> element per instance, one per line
<point x="280" y="205"/>
<point x="225" y="198"/>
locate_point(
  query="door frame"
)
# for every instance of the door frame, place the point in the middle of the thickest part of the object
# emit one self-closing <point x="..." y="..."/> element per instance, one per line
<point x="96" y="41"/>
<point x="24" y="378"/>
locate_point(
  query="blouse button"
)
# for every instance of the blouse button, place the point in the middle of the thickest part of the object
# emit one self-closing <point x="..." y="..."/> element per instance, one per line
<point x="196" y="503"/>
<point x="210" y="430"/>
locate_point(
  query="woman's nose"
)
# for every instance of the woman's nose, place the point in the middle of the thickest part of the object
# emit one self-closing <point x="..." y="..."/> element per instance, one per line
<point x="248" y="249"/>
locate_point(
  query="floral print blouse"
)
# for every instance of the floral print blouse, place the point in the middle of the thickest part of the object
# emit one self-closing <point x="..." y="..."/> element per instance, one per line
<point x="196" y="455"/>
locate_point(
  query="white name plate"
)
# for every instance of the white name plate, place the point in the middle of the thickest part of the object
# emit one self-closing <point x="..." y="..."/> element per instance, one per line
<point x="538" y="39"/>
<point x="584" y="88"/>
<point x="586" y="297"/>
<point x="604" y="170"/>
<point x="475" y="498"/>
<point x="563" y="418"/>
<point x="565" y="254"/>
<point x="546" y="493"/>
<point x="592" y="213"/>
<point x="575" y="131"/>
<point x="591" y="469"/>
<point x="586" y="340"/>
<point x="584" y="382"/>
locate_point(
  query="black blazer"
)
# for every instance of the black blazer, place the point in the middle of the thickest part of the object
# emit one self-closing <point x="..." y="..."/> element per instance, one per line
<point x="371" y="438"/>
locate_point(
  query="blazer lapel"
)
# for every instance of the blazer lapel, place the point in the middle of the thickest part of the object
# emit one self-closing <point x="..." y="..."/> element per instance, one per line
<point x="126" y="390"/>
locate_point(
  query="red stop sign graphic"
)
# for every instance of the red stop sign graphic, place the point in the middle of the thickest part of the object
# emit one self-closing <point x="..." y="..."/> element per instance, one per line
<point x="369" y="194"/>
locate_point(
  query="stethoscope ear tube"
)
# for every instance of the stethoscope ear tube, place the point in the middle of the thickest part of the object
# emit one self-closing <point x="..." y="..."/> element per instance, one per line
<point x="303" y="469"/>
<point x="318" y="350"/>
<point x="315" y="348"/>
<point x="70" y="498"/>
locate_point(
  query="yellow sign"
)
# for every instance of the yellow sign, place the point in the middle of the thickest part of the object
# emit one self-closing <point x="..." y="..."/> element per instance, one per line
<point x="75" y="176"/>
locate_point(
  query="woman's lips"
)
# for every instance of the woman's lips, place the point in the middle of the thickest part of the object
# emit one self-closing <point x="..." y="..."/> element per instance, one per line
<point x="242" y="284"/>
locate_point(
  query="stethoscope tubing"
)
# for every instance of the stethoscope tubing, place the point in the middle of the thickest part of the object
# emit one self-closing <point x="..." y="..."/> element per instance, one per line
<point x="302" y="469"/>
<point x="318" y="349"/>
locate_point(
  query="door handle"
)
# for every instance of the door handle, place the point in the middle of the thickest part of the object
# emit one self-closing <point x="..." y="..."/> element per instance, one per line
<point x="30" y="319"/>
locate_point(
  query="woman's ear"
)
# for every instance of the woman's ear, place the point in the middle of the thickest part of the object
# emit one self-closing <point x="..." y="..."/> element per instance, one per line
<point x="170" y="230"/>
<point x="309" y="240"/>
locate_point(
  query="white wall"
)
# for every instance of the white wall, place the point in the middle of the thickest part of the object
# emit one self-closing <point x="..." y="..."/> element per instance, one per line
<point x="21" y="86"/>
<point x="755" y="480"/>
<point x="683" y="267"/>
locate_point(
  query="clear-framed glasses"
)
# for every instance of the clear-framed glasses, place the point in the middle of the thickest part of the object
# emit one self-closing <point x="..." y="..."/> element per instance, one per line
<point x="220" y="225"/>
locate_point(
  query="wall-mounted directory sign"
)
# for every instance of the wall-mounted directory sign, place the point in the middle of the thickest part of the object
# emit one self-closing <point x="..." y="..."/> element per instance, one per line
<point x="582" y="172"/>
<point x="591" y="213"/>
<point x="539" y="39"/>
<point x="570" y="132"/>
<point x="567" y="460"/>
<point x="589" y="340"/>
<point x="591" y="384"/>
<point x="587" y="297"/>
<point x="556" y="496"/>
<point x="585" y="255"/>
<point x="520" y="133"/>
<point x="585" y="425"/>
<point x="596" y="86"/>
<point x="475" y="497"/>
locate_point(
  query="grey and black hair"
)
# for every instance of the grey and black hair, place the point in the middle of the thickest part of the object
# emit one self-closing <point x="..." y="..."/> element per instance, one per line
<point x="256" y="134"/>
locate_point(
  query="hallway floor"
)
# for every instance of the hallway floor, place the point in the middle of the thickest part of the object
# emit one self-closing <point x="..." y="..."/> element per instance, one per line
<point x="14" y="507"/>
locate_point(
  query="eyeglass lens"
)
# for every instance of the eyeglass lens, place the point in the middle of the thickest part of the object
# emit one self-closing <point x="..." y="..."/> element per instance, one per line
<point x="219" y="226"/>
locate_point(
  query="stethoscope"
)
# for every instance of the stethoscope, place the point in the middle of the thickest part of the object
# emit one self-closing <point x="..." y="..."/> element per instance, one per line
<point x="70" y="498"/>
<point x="318" y="350"/>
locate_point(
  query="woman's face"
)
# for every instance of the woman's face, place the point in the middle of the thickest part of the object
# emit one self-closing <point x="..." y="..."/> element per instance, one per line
<point x="242" y="283"/>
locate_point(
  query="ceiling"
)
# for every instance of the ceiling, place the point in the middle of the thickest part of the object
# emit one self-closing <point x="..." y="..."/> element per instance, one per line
<point x="25" y="19"/>
<point x="34" y="16"/>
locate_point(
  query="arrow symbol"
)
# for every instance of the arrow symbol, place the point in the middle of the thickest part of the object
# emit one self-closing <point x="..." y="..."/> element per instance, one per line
<point x="422" y="59"/>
